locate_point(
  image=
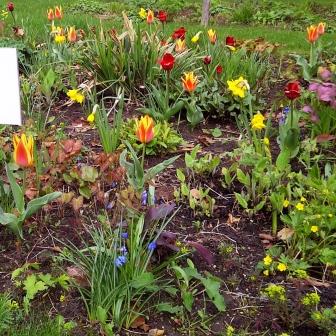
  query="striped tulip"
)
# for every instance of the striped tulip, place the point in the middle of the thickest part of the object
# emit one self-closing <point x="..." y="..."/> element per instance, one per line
<point x="145" y="129"/>
<point x="312" y="34"/>
<point x="23" y="150"/>
<point x="321" y="28"/>
<point x="189" y="81"/>
<point x="58" y="12"/>
<point x="180" y="45"/>
<point x="212" y="36"/>
<point x="50" y="14"/>
<point x="150" y="16"/>
<point x="72" y="34"/>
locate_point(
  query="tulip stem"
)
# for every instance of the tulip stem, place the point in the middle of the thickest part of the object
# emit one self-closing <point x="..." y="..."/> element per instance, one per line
<point x="291" y="113"/>
<point x="143" y="156"/>
<point x="24" y="181"/>
<point x="167" y="90"/>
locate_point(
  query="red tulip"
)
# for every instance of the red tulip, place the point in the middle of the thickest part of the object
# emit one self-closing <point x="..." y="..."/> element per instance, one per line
<point x="230" y="41"/>
<point x="219" y="69"/>
<point x="162" y="16"/>
<point x="10" y="6"/>
<point x="293" y="90"/>
<point x="207" y="60"/>
<point x="167" y="61"/>
<point x="179" y="33"/>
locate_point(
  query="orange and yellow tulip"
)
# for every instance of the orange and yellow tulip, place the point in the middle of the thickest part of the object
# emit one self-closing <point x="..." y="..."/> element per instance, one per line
<point x="312" y="34"/>
<point x="189" y="81"/>
<point x="50" y="14"/>
<point x="180" y="45"/>
<point x="212" y="36"/>
<point x="145" y="129"/>
<point x="72" y="34"/>
<point x="23" y="150"/>
<point x="58" y="12"/>
<point x="321" y="28"/>
<point x="150" y="16"/>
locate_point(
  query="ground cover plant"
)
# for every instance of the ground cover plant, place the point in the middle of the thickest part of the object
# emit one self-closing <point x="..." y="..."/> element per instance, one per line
<point x="170" y="178"/>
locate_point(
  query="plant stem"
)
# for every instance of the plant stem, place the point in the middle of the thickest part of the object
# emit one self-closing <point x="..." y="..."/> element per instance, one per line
<point x="143" y="156"/>
<point x="274" y="222"/>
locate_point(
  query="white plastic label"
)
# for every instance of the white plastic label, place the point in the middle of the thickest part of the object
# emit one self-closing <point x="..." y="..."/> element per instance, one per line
<point x="10" y="107"/>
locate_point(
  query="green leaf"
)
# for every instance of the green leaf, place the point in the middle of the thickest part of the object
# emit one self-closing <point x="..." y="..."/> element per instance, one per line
<point x="32" y="286"/>
<point x="85" y="191"/>
<point x="283" y="160"/>
<point x="242" y="202"/>
<point x="16" y="190"/>
<point x="180" y="175"/>
<point x="212" y="287"/>
<point x="89" y="174"/>
<point x="36" y="204"/>
<point x="143" y="280"/>
<point x="216" y="132"/>
<point x="152" y="172"/>
<point x="168" y="307"/>
<point x="188" y="300"/>
<point x="243" y="178"/>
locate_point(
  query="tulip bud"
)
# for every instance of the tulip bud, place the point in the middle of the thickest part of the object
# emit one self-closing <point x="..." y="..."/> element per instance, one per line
<point x="207" y="60"/>
<point x="10" y="7"/>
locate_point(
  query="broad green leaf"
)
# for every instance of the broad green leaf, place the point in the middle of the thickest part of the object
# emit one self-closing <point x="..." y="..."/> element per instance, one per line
<point x="212" y="287"/>
<point x="16" y="190"/>
<point x="241" y="200"/>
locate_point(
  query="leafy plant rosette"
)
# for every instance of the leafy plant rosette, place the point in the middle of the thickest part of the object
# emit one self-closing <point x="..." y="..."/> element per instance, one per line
<point x="166" y="139"/>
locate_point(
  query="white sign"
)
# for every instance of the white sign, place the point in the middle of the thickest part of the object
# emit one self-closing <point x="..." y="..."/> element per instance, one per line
<point x="10" y="107"/>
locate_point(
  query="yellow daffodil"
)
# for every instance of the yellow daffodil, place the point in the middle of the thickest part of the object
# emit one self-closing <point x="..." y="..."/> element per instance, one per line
<point x="282" y="267"/>
<point x="299" y="206"/>
<point x="76" y="96"/>
<point x="60" y="39"/>
<point x="143" y="13"/>
<point x="267" y="260"/>
<point x="196" y="37"/>
<point x="314" y="228"/>
<point x="238" y="87"/>
<point x="257" y="121"/>
<point x="91" y="117"/>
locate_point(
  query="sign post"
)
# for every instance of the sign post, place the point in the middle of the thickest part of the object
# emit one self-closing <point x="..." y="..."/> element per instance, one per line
<point x="10" y="107"/>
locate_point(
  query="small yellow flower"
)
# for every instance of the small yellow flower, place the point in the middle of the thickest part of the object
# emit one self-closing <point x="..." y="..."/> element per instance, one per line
<point x="91" y="117"/>
<point x="267" y="260"/>
<point x="299" y="206"/>
<point x="238" y="87"/>
<point x="257" y="121"/>
<point x="143" y="13"/>
<point x="330" y="215"/>
<point x="285" y="203"/>
<point x="282" y="267"/>
<point x="266" y="141"/>
<point x="314" y="228"/>
<point x="62" y="298"/>
<point x="302" y="199"/>
<point x="266" y="272"/>
<point x="196" y="37"/>
<point x="60" y="39"/>
<point x="76" y="96"/>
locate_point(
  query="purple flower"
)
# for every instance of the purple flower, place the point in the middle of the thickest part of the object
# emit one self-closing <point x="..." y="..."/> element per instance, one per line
<point x="120" y="261"/>
<point x="152" y="246"/>
<point x="325" y="92"/>
<point x="123" y="250"/>
<point x="144" y="197"/>
<point x="307" y="109"/>
<point x="124" y="235"/>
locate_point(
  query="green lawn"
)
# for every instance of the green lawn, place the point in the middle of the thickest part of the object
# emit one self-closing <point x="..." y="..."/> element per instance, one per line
<point x="32" y="15"/>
